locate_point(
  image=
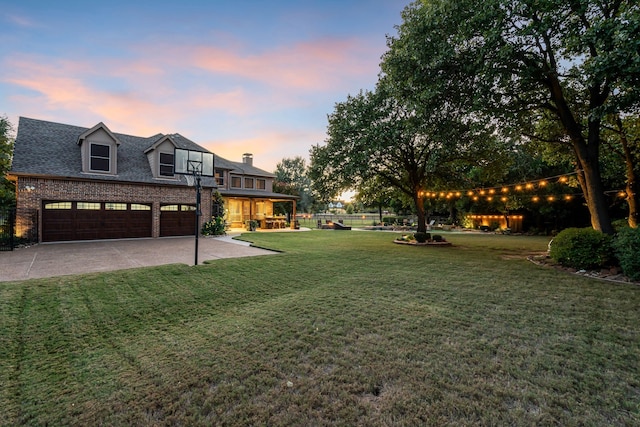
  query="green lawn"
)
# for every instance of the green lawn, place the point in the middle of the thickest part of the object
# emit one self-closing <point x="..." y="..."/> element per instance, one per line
<point x="341" y="328"/>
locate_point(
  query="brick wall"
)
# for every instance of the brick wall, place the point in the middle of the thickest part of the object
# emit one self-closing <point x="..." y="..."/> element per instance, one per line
<point x="31" y="192"/>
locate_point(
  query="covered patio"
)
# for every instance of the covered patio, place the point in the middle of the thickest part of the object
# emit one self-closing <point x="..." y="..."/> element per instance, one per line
<point x="244" y="206"/>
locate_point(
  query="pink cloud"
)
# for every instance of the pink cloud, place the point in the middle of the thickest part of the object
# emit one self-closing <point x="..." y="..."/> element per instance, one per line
<point x="268" y="148"/>
<point x="314" y="65"/>
<point x="197" y="91"/>
<point x="142" y="101"/>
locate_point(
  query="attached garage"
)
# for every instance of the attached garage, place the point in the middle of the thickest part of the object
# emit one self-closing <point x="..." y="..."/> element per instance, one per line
<point x="66" y="221"/>
<point x="177" y="220"/>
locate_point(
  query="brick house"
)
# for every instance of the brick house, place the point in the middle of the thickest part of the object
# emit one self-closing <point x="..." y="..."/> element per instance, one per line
<point x="76" y="183"/>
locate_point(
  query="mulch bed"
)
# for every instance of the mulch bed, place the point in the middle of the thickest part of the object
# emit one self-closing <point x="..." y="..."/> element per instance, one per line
<point x="414" y="243"/>
<point x="612" y="274"/>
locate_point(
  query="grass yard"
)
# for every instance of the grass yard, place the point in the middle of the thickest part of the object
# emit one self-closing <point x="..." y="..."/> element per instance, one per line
<point x="342" y="328"/>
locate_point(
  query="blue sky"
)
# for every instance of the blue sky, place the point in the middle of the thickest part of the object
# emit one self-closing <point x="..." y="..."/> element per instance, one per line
<point x="234" y="76"/>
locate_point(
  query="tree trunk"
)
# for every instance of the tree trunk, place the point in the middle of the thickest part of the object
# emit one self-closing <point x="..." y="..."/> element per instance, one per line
<point x="632" y="182"/>
<point x="418" y="199"/>
<point x="591" y="184"/>
<point x="587" y="150"/>
<point x="632" y="201"/>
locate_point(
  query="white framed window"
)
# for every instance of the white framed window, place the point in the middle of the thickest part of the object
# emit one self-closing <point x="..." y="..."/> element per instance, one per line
<point x="248" y="183"/>
<point x="236" y="182"/>
<point x="261" y="184"/>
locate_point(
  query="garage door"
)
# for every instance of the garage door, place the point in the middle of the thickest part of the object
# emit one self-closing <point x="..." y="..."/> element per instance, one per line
<point x="177" y="220"/>
<point x="64" y="221"/>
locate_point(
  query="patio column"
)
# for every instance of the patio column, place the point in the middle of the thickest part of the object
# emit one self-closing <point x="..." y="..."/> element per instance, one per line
<point x="293" y="220"/>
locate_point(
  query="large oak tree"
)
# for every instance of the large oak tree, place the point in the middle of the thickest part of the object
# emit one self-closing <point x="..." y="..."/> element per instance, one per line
<point x="374" y="135"/>
<point x="514" y="62"/>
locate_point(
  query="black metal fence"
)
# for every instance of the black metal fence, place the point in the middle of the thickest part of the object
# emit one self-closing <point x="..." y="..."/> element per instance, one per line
<point x="7" y="229"/>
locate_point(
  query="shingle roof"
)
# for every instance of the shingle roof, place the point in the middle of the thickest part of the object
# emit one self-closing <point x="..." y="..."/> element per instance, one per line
<point x="241" y="168"/>
<point x="257" y="193"/>
<point x="48" y="148"/>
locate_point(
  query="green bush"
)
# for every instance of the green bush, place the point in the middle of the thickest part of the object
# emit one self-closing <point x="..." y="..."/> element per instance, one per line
<point x="581" y="248"/>
<point x="619" y="224"/>
<point x="626" y="245"/>
<point x="215" y="227"/>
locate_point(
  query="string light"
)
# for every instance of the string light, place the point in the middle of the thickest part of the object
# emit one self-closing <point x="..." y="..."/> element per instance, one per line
<point x="487" y="193"/>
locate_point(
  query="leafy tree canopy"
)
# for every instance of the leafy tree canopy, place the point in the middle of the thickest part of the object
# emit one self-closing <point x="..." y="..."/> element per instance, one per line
<point x="375" y="136"/>
<point x="7" y="188"/>
<point x="292" y="177"/>
<point x="513" y="63"/>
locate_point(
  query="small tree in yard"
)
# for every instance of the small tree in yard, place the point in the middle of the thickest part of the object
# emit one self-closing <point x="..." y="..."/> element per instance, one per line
<point x="7" y="188"/>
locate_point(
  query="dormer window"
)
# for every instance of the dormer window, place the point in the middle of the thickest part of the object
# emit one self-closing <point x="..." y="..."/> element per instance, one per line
<point x="100" y="158"/>
<point x="99" y="150"/>
<point x="166" y="164"/>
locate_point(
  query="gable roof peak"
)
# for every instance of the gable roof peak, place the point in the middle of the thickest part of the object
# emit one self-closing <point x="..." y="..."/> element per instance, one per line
<point x="91" y="131"/>
<point x="161" y="139"/>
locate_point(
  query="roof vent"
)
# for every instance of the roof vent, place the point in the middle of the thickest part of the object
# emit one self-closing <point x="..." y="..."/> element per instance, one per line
<point x="247" y="159"/>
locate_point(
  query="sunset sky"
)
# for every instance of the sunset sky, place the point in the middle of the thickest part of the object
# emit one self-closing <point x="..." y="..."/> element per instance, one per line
<point x="233" y="76"/>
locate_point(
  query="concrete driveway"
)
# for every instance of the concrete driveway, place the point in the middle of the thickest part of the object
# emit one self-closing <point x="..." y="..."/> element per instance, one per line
<point x="59" y="259"/>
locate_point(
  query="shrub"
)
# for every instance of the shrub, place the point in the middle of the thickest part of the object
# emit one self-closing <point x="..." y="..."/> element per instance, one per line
<point x="581" y="248"/>
<point x="626" y="245"/>
<point x="619" y="224"/>
<point x="215" y="227"/>
<point x="421" y="236"/>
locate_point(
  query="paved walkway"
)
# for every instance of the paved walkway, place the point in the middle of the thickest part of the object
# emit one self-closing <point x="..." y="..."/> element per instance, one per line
<point x="59" y="259"/>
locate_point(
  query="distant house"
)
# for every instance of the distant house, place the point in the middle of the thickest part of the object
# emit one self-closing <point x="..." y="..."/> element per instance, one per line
<point x="76" y="183"/>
